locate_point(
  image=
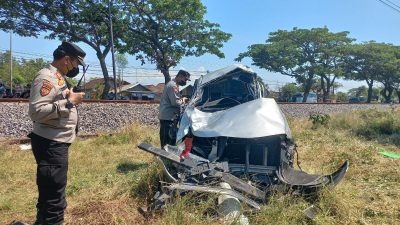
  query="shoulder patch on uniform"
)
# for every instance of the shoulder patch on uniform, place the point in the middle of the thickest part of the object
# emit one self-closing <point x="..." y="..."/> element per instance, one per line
<point x="176" y="89"/>
<point x="46" y="88"/>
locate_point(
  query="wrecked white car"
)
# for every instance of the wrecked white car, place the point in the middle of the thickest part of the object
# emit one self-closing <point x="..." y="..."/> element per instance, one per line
<point x="230" y="133"/>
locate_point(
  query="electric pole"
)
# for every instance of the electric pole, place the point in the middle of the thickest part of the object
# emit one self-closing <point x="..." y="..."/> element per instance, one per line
<point x="112" y="49"/>
<point x="11" y="64"/>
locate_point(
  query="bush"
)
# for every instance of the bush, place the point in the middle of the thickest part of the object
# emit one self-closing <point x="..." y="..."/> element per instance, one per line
<point x="378" y="122"/>
<point x="319" y="119"/>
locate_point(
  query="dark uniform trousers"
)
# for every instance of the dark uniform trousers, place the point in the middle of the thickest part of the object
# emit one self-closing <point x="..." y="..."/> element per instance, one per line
<point x="167" y="135"/>
<point x="51" y="178"/>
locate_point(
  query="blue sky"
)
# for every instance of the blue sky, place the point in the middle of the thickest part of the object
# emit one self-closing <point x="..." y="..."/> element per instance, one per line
<point x="250" y="22"/>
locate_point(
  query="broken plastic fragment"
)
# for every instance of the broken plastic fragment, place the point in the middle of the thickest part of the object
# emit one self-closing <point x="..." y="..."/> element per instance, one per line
<point x="390" y="154"/>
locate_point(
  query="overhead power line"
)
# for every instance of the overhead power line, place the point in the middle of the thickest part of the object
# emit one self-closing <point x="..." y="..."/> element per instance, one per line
<point x="393" y="3"/>
<point x="390" y="4"/>
<point x="26" y="55"/>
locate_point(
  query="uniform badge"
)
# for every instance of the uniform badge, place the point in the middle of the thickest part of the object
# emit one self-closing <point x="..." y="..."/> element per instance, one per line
<point x="176" y="90"/>
<point x="60" y="78"/>
<point x="61" y="82"/>
<point x="46" y="88"/>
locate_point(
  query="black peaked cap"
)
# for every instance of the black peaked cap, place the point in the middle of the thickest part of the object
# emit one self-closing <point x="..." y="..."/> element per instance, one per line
<point x="74" y="50"/>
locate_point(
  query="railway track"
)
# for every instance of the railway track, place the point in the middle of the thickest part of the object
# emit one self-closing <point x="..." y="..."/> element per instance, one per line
<point x="24" y="100"/>
<point x="108" y="116"/>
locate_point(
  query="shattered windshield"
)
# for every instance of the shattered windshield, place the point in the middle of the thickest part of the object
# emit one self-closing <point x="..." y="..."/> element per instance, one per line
<point x="228" y="91"/>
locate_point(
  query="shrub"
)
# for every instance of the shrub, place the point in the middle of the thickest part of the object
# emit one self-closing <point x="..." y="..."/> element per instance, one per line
<point x="319" y="119"/>
<point x="378" y="122"/>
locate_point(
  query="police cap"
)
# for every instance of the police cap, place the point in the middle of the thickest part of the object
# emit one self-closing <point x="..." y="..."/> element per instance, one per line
<point x="74" y="50"/>
<point x="184" y="73"/>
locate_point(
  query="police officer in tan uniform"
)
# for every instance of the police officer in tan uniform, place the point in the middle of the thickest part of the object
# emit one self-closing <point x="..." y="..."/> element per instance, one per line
<point x="52" y="108"/>
<point x="170" y="105"/>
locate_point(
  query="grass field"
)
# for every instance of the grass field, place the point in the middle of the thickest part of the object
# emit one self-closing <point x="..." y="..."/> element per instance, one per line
<point x="109" y="177"/>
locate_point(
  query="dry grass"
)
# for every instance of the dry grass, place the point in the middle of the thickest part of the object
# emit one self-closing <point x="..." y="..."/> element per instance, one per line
<point x="109" y="178"/>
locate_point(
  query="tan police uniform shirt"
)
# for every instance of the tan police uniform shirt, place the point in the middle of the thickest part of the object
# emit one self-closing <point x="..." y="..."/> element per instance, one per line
<point x="170" y="101"/>
<point x="51" y="119"/>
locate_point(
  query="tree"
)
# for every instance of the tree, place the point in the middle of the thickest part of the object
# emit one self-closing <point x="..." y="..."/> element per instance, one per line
<point x="397" y="88"/>
<point x="30" y="68"/>
<point x="358" y="91"/>
<point x="24" y="71"/>
<point x="331" y="60"/>
<point x="302" y="54"/>
<point x="121" y="62"/>
<point x="288" y="90"/>
<point x="84" y="21"/>
<point x="5" y="69"/>
<point x="342" y="97"/>
<point x="362" y="64"/>
<point x="164" y="31"/>
<point x="387" y="60"/>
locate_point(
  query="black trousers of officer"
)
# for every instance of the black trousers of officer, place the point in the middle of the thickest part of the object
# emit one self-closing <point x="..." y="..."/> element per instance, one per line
<point x="51" y="179"/>
<point x="166" y="126"/>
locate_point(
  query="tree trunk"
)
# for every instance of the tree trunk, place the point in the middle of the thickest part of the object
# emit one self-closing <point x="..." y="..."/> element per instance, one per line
<point x="105" y="75"/>
<point x="370" y="84"/>
<point x="398" y="94"/>
<point x="387" y="94"/>
<point x="328" y="88"/>
<point x="307" y="87"/>
<point x="165" y="71"/>
<point x="323" y="89"/>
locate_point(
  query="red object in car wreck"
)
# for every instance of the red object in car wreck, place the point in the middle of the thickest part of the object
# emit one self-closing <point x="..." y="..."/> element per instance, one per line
<point x="188" y="146"/>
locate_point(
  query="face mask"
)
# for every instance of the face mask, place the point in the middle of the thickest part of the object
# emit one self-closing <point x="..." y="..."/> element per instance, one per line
<point x="182" y="83"/>
<point x="72" y="73"/>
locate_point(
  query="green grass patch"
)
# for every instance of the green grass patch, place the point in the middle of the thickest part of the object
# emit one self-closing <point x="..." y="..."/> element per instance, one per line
<point x="109" y="177"/>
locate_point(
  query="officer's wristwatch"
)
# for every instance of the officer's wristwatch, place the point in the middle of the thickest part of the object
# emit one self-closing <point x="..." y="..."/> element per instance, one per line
<point x="69" y="104"/>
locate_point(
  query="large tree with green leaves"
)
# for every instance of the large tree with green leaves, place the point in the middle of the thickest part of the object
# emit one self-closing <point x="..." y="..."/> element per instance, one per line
<point x="165" y="31"/>
<point x="84" y="21"/>
<point x="387" y="63"/>
<point x="5" y="69"/>
<point x="331" y="60"/>
<point x="122" y="62"/>
<point x="303" y="54"/>
<point x="358" y="91"/>
<point x="24" y="70"/>
<point x="29" y="69"/>
<point x="288" y="90"/>
<point x="364" y="63"/>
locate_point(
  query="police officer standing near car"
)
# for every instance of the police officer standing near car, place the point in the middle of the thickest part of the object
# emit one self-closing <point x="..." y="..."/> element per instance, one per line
<point x="170" y="105"/>
<point x="52" y="108"/>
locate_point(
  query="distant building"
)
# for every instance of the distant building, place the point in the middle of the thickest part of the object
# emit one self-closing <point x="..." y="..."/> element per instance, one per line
<point x="90" y="87"/>
<point x="125" y="91"/>
<point x="156" y="89"/>
<point x="136" y="92"/>
<point x="159" y="88"/>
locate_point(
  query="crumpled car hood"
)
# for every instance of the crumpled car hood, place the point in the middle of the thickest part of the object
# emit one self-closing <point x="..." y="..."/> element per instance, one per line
<point x="258" y="118"/>
<point x="223" y="72"/>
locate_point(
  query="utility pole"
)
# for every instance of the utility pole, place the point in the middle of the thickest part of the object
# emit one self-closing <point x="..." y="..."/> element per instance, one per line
<point x="122" y="75"/>
<point x="136" y="76"/>
<point x="112" y="49"/>
<point x="11" y="64"/>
